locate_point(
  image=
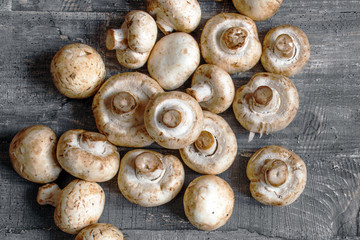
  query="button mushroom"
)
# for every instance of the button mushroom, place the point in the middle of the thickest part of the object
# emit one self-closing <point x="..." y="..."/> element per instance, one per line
<point x="286" y="50"/>
<point x="32" y="154"/>
<point x="277" y="176"/>
<point x="267" y="103"/>
<point x="173" y="59"/>
<point x="183" y="16"/>
<point x="258" y="10"/>
<point x="77" y="70"/>
<point x="88" y="155"/>
<point x="212" y="87"/>
<point x="134" y="40"/>
<point x="215" y="149"/>
<point x="173" y="119"/>
<point x="208" y="202"/>
<point x="150" y="179"/>
<point x="100" y="231"/>
<point x="119" y="106"/>
<point x="78" y="205"/>
<point x="230" y="41"/>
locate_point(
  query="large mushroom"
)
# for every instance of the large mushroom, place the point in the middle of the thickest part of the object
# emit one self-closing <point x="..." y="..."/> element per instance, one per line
<point x="277" y="176"/>
<point x="87" y="155"/>
<point x="149" y="178"/>
<point x="100" y="231"/>
<point x="32" y="154"/>
<point x="119" y="106"/>
<point x="258" y="10"/>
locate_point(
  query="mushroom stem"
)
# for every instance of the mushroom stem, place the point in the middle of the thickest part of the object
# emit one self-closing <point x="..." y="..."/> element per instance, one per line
<point x="284" y="46"/>
<point x="123" y="102"/>
<point x="93" y="142"/>
<point x="234" y="38"/>
<point x="116" y="39"/>
<point x="276" y="173"/>
<point x="265" y="99"/>
<point x="171" y="118"/>
<point x="201" y="92"/>
<point x="49" y="194"/>
<point x="206" y="143"/>
<point x="164" y="25"/>
<point x="148" y="166"/>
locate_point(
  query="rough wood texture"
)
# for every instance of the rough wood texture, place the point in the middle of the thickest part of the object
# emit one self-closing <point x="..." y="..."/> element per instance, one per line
<point x="325" y="132"/>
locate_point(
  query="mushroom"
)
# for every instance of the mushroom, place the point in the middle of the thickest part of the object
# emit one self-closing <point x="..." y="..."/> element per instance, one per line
<point x="267" y="103"/>
<point x="78" y="205"/>
<point x="258" y="10"/>
<point x="286" y="50"/>
<point x="150" y="179"/>
<point x="208" y="202"/>
<point x="87" y="155"/>
<point x="119" y="106"/>
<point x="215" y="149"/>
<point x="32" y="154"/>
<point x="277" y="175"/>
<point x="134" y="40"/>
<point x="183" y="16"/>
<point x="173" y="119"/>
<point x="213" y="88"/>
<point x="100" y="231"/>
<point x="77" y="70"/>
<point x="230" y="41"/>
<point x="173" y="59"/>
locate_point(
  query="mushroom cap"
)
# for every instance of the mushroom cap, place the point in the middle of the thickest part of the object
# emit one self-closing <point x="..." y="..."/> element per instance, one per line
<point x="155" y="192"/>
<point x="221" y="84"/>
<point x="32" y="154"/>
<point x="258" y="10"/>
<point x="224" y="154"/>
<point x="187" y="126"/>
<point x="292" y="185"/>
<point x="208" y="202"/>
<point x="77" y="70"/>
<point x="287" y="66"/>
<point x="126" y="129"/>
<point x="173" y="59"/>
<point x="213" y="42"/>
<point x="272" y="120"/>
<point x="81" y="204"/>
<point x="87" y="155"/>
<point x="100" y="231"/>
<point x="131" y="59"/>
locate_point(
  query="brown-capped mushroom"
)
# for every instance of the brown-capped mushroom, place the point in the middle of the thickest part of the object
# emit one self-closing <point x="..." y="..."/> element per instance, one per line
<point x="173" y="59"/>
<point x="100" y="231"/>
<point x="258" y="10"/>
<point x="77" y="70"/>
<point x="230" y="41"/>
<point x="277" y="175"/>
<point x="266" y="104"/>
<point x="149" y="178"/>
<point x="182" y="16"/>
<point x="32" y="154"/>
<point x="87" y="155"/>
<point x="119" y="106"/>
<point x="215" y="149"/>
<point x="208" y="202"/>
<point x="286" y="50"/>
<point x="134" y="40"/>
<point x="78" y="205"/>
<point x="212" y="87"/>
<point x="173" y="119"/>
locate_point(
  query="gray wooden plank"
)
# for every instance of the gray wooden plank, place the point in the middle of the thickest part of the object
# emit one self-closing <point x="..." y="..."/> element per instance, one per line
<point x="5" y="5"/>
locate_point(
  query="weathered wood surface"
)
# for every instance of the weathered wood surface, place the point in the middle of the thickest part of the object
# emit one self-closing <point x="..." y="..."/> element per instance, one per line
<point x="325" y="132"/>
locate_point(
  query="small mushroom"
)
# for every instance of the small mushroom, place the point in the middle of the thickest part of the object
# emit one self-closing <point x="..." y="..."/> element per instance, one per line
<point x="182" y="16"/>
<point x="32" y="154"/>
<point x="277" y="176"/>
<point x="258" y="10"/>
<point x="78" y="205"/>
<point x="77" y="70"/>
<point x="208" y="202"/>
<point x="100" y="231"/>
<point x="173" y="119"/>
<point x="286" y="50"/>
<point x="119" y="106"/>
<point x="134" y="40"/>
<point x="230" y="41"/>
<point x="87" y="155"/>
<point x="215" y="149"/>
<point x="174" y="58"/>
<point x="150" y="179"/>
<point x="213" y="88"/>
<point x="266" y="104"/>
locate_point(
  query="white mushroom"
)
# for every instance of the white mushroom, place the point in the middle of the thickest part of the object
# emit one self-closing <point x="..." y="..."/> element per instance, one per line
<point x="173" y="59"/>
<point x="100" y="231"/>
<point x="32" y="154"/>
<point x="150" y="179"/>
<point x="258" y="10"/>
<point x="119" y="106"/>
<point x="215" y="149"/>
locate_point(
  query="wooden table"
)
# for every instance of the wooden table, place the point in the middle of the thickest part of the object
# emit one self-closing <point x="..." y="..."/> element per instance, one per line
<point x="325" y="132"/>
